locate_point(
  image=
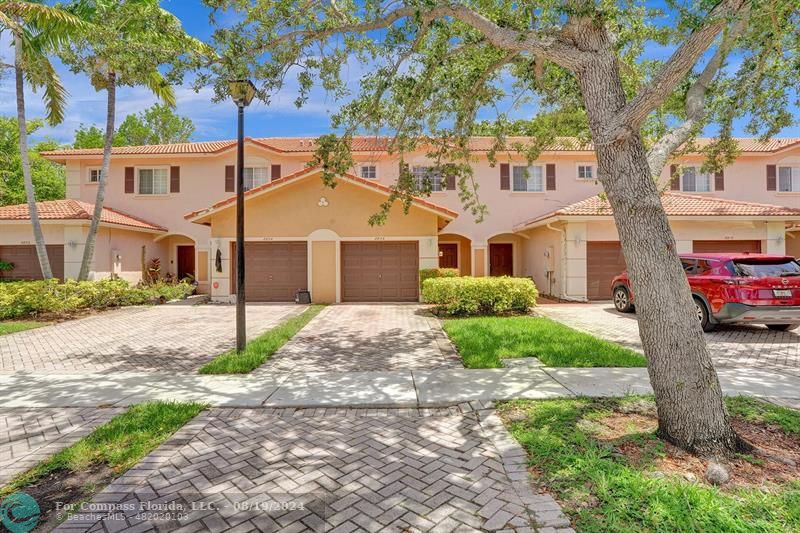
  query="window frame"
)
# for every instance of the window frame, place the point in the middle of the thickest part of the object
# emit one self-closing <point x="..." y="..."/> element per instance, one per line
<point x="374" y="167"/>
<point x="432" y="175"/>
<point x="543" y="179"/>
<point x="267" y="173"/>
<point x="698" y="172"/>
<point x="137" y="181"/>
<point x="89" y="171"/>
<point x="792" y="178"/>
<point x="578" y="166"/>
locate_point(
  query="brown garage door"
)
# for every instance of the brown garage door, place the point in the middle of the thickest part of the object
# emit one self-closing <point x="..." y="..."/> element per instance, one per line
<point x="604" y="260"/>
<point x="273" y="271"/>
<point x="26" y="263"/>
<point x="380" y="272"/>
<point x="724" y="247"/>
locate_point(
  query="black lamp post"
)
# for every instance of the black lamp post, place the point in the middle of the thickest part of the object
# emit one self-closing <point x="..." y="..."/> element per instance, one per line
<point x="242" y="93"/>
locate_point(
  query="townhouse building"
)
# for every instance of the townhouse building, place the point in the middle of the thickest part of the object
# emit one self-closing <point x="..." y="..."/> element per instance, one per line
<point x="175" y="203"/>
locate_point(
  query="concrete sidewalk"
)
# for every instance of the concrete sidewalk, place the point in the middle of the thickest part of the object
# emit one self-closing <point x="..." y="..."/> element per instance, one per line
<point x="399" y="388"/>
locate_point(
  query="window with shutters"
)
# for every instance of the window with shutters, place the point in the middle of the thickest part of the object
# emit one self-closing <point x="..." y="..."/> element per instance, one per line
<point x="153" y="181"/>
<point x="255" y="176"/>
<point x="93" y="174"/>
<point x="788" y="179"/>
<point x="369" y="172"/>
<point x="427" y="178"/>
<point x="528" y="179"/>
<point x="696" y="181"/>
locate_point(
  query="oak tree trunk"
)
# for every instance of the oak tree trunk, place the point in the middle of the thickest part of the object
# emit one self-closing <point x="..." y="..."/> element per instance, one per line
<point x="691" y="410"/>
<point x="30" y="192"/>
<point x="91" y="237"/>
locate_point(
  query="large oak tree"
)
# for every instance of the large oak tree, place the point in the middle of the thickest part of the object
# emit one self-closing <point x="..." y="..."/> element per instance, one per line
<point x="429" y="67"/>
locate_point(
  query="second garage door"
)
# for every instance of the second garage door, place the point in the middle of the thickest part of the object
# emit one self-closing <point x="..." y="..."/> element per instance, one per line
<point x="274" y="271"/>
<point x="709" y="247"/>
<point x="26" y="262"/>
<point x="380" y="272"/>
<point x="604" y="260"/>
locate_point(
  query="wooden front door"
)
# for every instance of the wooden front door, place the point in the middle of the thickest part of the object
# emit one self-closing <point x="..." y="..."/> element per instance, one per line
<point x="448" y="255"/>
<point x="185" y="261"/>
<point x="501" y="259"/>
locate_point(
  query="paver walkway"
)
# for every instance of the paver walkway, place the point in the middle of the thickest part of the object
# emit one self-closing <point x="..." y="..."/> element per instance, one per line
<point x="730" y="346"/>
<point x="333" y="470"/>
<point x="175" y="338"/>
<point x="348" y="338"/>
<point x="29" y="435"/>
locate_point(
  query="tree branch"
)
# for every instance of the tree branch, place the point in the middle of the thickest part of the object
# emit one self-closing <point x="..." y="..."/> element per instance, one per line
<point x="695" y="100"/>
<point x="630" y="118"/>
<point x="548" y="45"/>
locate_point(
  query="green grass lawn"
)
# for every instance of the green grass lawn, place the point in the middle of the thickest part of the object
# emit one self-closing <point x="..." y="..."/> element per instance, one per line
<point x="483" y="341"/>
<point x="602" y="492"/>
<point x="118" y="444"/>
<point x="14" y="326"/>
<point x="261" y="348"/>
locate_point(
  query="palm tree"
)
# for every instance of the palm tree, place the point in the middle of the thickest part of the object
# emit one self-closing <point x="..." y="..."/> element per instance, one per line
<point x="37" y="30"/>
<point x="131" y="41"/>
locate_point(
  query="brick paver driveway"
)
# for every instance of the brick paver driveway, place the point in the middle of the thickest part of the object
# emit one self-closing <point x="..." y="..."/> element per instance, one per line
<point x="169" y="337"/>
<point x="29" y="435"/>
<point x="730" y="346"/>
<point x="332" y="470"/>
<point x="352" y="337"/>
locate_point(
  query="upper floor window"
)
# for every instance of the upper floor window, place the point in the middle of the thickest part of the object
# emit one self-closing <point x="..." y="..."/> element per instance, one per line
<point x="369" y="172"/>
<point x="255" y="176"/>
<point x="585" y="171"/>
<point x="94" y="175"/>
<point x="696" y="181"/>
<point x="153" y="180"/>
<point x="427" y="177"/>
<point x="528" y="179"/>
<point x="789" y="179"/>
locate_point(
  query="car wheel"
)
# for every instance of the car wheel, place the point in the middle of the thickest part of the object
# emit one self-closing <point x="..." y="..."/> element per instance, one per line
<point x="702" y="315"/>
<point x="782" y="327"/>
<point x="622" y="300"/>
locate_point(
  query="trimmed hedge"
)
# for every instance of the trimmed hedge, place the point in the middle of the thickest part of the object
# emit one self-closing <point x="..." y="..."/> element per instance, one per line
<point x="431" y="273"/>
<point x="31" y="298"/>
<point x="480" y="296"/>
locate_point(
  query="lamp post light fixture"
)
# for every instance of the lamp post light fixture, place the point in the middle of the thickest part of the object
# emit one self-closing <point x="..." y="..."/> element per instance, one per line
<point x="242" y="93"/>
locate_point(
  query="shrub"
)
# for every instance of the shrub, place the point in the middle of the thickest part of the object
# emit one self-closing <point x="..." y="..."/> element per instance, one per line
<point x="480" y="296"/>
<point x="430" y="273"/>
<point x="27" y="298"/>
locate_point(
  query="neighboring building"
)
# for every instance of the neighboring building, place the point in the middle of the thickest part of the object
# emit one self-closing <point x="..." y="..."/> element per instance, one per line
<point x="547" y="223"/>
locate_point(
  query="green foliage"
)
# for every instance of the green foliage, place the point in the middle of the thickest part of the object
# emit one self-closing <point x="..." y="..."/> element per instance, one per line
<point x="119" y="444"/>
<point x="430" y="273"/>
<point x="601" y="491"/>
<point x="480" y="296"/>
<point x="760" y="412"/>
<point x="15" y="326"/>
<point x="258" y="350"/>
<point x="32" y="298"/>
<point x="5" y="266"/>
<point x="48" y="178"/>
<point x="483" y="341"/>
<point x="88" y="137"/>
<point x="156" y="125"/>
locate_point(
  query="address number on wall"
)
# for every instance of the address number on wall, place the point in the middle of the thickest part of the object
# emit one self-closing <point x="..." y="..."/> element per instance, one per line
<point x="380" y="238"/>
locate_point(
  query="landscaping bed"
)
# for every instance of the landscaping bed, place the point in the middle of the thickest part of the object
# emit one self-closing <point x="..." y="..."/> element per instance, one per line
<point x="53" y="300"/>
<point x="258" y="350"/>
<point x="82" y="470"/>
<point x="601" y="459"/>
<point x="484" y="341"/>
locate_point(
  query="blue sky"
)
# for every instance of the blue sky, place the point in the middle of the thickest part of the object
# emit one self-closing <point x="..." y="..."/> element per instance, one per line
<point x="212" y="120"/>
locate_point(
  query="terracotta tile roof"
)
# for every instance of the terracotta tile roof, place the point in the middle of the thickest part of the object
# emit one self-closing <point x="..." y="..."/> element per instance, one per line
<point x="676" y="205"/>
<point x="75" y="210"/>
<point x="307" y="172"/>
<point x="370" y="144"/>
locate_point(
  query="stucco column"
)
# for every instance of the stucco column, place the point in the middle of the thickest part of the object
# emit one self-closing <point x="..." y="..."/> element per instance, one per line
<point x="429" y="252"/>
<point x="72" y="175"/>
<point x="776" y="238"/>
<point x="74" y="243"/>
<point x="575" y="264"/>
<point x="480" y="259"/>
<point x="221" y="281"/>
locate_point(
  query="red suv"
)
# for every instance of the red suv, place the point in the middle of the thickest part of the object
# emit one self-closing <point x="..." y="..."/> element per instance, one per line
<point x="734" y="289"/>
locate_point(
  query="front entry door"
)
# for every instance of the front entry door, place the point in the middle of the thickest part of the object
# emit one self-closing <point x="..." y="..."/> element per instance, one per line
<point x="448" y="255"/>
<point x="185" y="261"/>
<point x="501" y="259"/>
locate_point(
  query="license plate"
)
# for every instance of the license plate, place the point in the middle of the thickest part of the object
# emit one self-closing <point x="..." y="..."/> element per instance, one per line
<point x="782" y="293"/>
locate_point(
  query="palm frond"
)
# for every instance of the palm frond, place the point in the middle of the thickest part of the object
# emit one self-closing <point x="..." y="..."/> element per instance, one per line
<point x="56" y="25"/>
<point x="159" y="87"/>
<point x="40" y="73"/>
